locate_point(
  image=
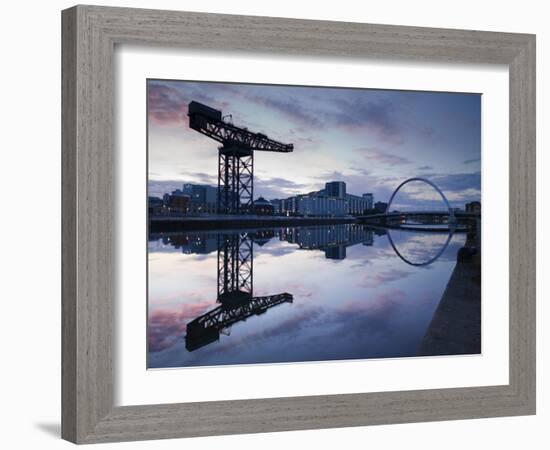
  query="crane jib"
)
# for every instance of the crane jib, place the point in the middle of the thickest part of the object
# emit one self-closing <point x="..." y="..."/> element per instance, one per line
<point x="208" y="121"/>
<point x="235" y="156"/>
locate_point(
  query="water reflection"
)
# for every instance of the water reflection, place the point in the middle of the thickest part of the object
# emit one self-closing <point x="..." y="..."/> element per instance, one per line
<point x="235" y="290"/>
<point x="293" y="294"/>
<point x="424" y="261"/>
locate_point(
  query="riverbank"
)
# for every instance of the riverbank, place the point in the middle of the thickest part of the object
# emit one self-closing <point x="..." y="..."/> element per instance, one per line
<point x="159" y="224"/>
<point x="456" y="324"/>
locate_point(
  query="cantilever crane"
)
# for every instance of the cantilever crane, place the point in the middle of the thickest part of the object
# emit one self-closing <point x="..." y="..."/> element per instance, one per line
<point x="235" y="261"/>
<point x="206" y="329"/>
<point x="235" y="156"/>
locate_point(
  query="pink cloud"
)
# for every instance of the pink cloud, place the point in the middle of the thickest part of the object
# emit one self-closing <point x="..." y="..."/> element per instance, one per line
<point x="382" y="157"/>
<point x="380" y="278"/>
<point x="166" y="326"/>
<point x="378" y="304"/>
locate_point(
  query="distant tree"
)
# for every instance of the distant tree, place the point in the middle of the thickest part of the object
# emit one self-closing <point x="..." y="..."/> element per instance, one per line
<point x="369" y="212"/>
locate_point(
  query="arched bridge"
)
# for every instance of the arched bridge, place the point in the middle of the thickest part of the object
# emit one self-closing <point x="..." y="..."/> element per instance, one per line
<point x="397" y="218"/>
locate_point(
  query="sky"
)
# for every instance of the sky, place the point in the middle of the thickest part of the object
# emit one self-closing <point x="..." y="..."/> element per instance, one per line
<point x="371" y="139"/>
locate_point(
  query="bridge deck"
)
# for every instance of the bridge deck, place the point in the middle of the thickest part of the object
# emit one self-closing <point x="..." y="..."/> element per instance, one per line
<point x="458" y="214"/>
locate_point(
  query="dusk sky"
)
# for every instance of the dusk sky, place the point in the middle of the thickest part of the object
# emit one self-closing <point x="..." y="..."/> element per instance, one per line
<point x="371" y="139"/>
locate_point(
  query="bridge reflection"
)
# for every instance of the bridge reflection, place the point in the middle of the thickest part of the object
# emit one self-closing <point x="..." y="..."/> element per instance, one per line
<point x="426" y="262"/>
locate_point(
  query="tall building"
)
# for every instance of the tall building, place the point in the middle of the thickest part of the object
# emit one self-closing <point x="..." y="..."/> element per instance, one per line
<point x="201" y="193"/>
<point x="356" y="204"/>
<point x="369" y="198"/>
<point x="335" y="189"/>
<point x="203" y="198"/>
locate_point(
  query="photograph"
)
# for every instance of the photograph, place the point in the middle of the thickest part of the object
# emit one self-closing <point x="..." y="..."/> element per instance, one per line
<point x="261" y="225"/>
<point x="292" y="224"/>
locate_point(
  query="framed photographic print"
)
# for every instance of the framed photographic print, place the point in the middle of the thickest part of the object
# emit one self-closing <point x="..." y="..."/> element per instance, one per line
<point x="305" y="232"/>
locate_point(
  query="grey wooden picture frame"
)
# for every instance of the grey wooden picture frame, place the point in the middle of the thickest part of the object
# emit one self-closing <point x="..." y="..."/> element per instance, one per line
<point x="90" y="34"/>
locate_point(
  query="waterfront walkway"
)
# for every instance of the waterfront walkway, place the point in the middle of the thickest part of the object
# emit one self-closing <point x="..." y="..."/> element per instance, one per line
<point x="456" y="325"/>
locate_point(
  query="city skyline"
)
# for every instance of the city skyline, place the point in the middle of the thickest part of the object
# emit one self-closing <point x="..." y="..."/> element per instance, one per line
<point x="370" y="139"/>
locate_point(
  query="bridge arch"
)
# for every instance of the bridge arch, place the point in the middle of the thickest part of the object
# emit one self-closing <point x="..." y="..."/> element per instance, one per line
<point x="424" y="180"/>
<point x="422" y="263"/>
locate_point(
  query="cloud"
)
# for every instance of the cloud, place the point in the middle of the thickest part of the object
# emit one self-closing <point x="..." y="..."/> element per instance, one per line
<point x="382" y="157"/>
<point x="165" y="105"/>
<point x="380" y="304"/>
<point x="166" y="326"/>
<point x="157" y="188"/>
<point x="268" y="188"/>
<point x="381" y="278"/>
<point x="377" y="115"/>
<point x="294" y="325"/>
<point x="458" y="181"/>
<point x="277" y="187"/>
<point x="427" y="131"/>
<point x="471" y="161"/>
<point x="291" y="109"/>
<point x="351" y="112"/>
<point x="167" y="101"/>
<point x="425" y="168"/>
<point x="200" y="178"/>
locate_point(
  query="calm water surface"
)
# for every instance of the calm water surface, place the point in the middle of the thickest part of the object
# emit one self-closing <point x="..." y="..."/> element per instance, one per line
<point x="292" y="294"/>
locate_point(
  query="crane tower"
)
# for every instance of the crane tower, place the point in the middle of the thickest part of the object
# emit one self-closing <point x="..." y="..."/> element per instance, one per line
<point x="235" y="293"/>
<point x="235" y="156"/>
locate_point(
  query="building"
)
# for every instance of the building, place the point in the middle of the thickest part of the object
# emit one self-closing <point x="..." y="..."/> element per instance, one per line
<point x="321" y="205"/>
<point x="473" y="207"/>
<point x="277" y="206"/>
<point x="203" y="198"/>
<point x="178" y="205"/>
<point x="332" y="201"/>
<point x="380" y="207"/>
<point x="337" y="252"/>
<point x="201" y="193"/>
<point x="335" y="189"/>
<point x="191" y="243"/>
<point x="358" y="205"/>
<point x="369" y="199"/>
<point x="262" y="207"/>
<point x="289" y="206"/>
<point x="155" y="206"/>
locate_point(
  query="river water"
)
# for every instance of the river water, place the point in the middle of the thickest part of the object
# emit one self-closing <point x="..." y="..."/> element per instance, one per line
<point x="293" y="294"/>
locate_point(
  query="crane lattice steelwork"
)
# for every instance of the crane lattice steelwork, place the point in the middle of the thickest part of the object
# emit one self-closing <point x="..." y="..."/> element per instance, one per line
<point x="235" y="263"/>
<point x="235" y="267"/>
<point x="235" y="156"/>
<point x="206" y="329"/>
